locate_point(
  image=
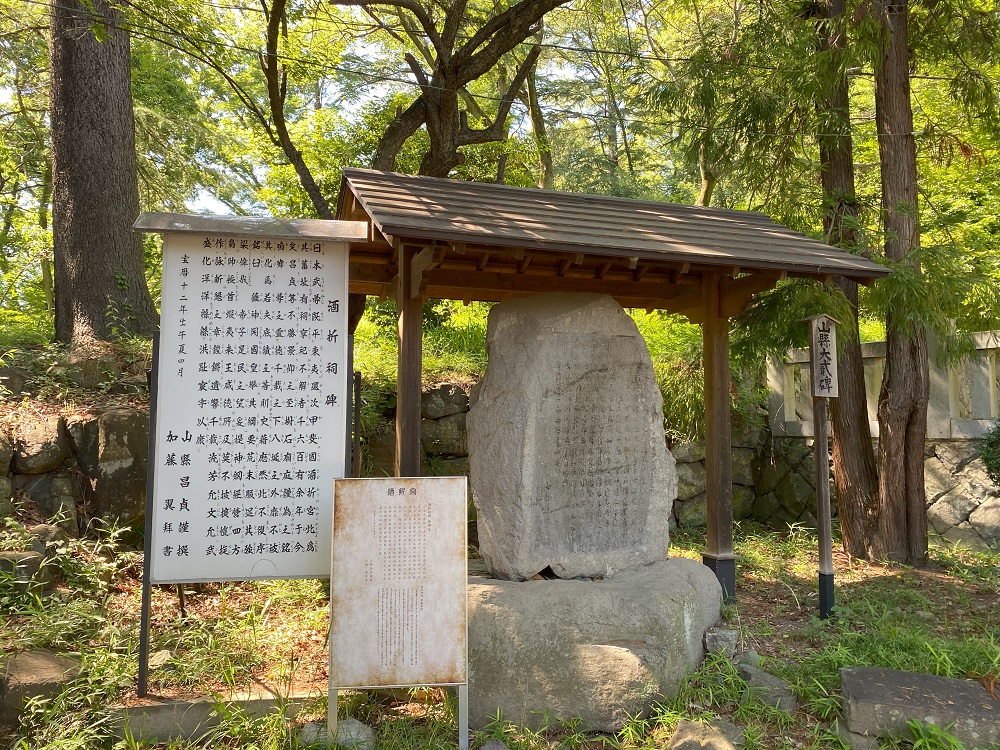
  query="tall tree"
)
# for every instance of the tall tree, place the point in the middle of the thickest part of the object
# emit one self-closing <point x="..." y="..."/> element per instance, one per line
<point x="900" y="531"/>
<point x="458" y="46"/>
<point x="100" y="287"/>
<point x="855" y="472"/>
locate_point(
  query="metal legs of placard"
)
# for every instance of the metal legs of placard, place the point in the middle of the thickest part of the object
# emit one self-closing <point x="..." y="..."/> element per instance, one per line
<point x="331" y="717"/>
<point x="463" y="717"/>
<point x="153" y="378"/>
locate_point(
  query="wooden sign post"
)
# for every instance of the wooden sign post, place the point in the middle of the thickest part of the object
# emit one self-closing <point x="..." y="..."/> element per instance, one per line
<point x="823" y="375"/>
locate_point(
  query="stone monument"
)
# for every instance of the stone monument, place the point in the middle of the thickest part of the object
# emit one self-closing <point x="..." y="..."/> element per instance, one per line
<point x="569" y="464"/>
<point x="572" y="480"/>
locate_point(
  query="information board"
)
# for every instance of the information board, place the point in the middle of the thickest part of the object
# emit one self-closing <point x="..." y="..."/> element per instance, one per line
<point x="398" y="583"/>
<point x="252" y="407"/>
<point x="823" y="356"/>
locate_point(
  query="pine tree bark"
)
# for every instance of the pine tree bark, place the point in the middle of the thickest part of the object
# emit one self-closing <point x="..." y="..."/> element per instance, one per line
<point x="100" y="285"/>
<point x="900" y="531"/>
<point x="854" y="468"/>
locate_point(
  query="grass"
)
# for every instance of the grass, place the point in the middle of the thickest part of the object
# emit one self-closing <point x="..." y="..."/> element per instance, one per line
<point x="942" y="620"/>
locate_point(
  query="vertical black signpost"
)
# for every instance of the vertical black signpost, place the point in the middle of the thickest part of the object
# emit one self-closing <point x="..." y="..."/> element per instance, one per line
<point x="823" y="375"/>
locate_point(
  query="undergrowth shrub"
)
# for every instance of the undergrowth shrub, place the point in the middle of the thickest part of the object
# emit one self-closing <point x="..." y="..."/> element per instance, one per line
<point x="989" y="450"/>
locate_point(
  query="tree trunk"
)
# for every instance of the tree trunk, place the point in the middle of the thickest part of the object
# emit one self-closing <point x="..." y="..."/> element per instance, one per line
<point x="100" y="286"/>
<point x="546" y="180"/>
<point x="708" y="178"/>
<point x="854" y="467"/>
<point x="43" y="223"/>
<point x="900" y="533"/>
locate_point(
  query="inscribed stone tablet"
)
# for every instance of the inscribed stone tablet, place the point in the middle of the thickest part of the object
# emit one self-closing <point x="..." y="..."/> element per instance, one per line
<point x="398" y="582"/>
<point x="251" y="410"/>
<point x="568" y="459"/>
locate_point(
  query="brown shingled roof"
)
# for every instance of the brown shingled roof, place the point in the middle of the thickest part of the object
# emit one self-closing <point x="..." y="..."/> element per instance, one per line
<point x="410" y="207"/>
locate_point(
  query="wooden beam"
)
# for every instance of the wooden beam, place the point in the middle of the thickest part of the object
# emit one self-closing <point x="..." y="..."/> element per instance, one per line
<point x="718" y="438"/>
<point x="484" y="260"/>
<point x="639" y="272"/>
<point x="522" y="266"/>
<point x="511" y="282"/>
<point x="736" y="294"/>
<point x="422" y="261"/>
<point x="690" y="304"/>
<point x="603" y="270"/>
<point x="496" y="295"/>
<point x="564" y="267"/>
<point x="409" y="368"/>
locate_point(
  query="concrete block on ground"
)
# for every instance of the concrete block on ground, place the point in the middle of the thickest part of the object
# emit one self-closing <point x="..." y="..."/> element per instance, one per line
<point x="767" y="688"/>
<point x="723" y="641"/>
<point x="26" y="568"/>
<point x="715" y="735"/>
<point x="166" y="720"/>
<point x="351" y="733"/>
<point x="31" y="674"/>
<point x="880" y="702"/>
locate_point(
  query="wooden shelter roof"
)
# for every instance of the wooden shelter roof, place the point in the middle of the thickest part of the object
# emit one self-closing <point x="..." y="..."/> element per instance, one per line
<point x="487" y="241"/>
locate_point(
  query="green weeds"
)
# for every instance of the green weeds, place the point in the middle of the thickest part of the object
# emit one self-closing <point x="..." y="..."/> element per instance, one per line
<point x="942" y="621"/>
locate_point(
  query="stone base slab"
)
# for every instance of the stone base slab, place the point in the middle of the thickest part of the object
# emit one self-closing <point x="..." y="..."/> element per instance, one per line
<point x="598" y="651"/>
<point x="163" y="720"/>
<point x="880" y="702"/>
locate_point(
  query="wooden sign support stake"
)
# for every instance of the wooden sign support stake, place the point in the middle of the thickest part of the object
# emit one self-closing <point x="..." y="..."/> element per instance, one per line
<point x="823" y="372"/>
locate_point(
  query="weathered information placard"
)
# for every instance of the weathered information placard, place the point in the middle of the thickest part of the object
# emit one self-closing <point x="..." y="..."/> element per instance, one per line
<point x="398" y="582"/>
<point x="252" y="406"/>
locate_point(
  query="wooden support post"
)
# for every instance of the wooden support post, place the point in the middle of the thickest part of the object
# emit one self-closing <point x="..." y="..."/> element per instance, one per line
<point x="823" y="511"/>
<point x="409" y="365"/>
<point x="718" y="438"/>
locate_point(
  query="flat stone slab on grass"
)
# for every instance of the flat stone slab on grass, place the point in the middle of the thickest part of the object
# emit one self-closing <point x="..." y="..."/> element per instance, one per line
<point x="164" y="720"/>
<point x="30" y="674"/>
<point x="879" y="702"/>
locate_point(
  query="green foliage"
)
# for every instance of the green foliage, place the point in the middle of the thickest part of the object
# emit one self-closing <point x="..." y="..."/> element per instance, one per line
<point x="989" y="451"/>
<point x="933" y="737"/>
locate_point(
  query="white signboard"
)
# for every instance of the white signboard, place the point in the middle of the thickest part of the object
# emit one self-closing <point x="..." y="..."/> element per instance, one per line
<point x="398" y="583"/>
<point x="251" y="409"/>
<point x="823" y="356"/>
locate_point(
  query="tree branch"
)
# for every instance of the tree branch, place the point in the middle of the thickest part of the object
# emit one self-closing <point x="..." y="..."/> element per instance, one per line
<point x="396" y="134"/>
<point x="494" y="131"/>
<point x="500" y="35"/>
<point x="417" y="10"/>
<point x="276" y="91"/>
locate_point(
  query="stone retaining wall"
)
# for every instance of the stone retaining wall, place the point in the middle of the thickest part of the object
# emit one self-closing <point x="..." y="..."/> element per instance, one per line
<point x="73" y="469"/>
<point x="963" y="503"/>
